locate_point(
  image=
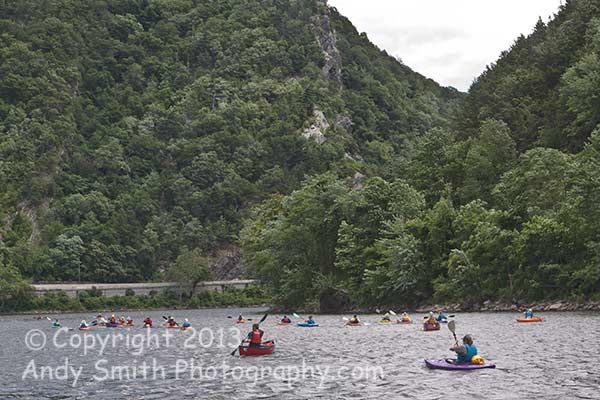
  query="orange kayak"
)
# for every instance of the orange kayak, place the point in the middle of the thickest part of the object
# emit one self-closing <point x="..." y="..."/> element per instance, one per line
<point x="284" y="323"/>
<point x="534" y="319"/>
<point x="354" y="324"/>
<point x="429" y="327"/>
<point x="240" y="322"/>
<point x="87" y="328"/>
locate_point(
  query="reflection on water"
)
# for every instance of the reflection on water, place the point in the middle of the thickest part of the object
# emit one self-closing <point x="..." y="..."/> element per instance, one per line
<point x="333" y="361"/>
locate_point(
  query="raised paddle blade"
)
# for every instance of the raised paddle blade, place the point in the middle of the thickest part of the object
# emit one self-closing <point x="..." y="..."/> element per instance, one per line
<point x="263" y="318"/>
<point x="377" y="310"/>
<point x="392" y="312"/>
<point x="452" y="326"/>
<point x="295" y="315"/>
<point x="345" y="319"/>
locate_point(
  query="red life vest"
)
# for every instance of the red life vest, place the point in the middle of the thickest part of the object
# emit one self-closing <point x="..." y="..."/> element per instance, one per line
<point x="255" y="337"/>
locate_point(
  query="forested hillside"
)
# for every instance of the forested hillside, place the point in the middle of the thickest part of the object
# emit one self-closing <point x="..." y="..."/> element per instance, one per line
<point x="134" y="132"/>
<point x="504" y="204"/>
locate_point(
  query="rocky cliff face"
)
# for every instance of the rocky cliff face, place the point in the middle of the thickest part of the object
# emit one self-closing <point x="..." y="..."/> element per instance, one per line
<point x="332" y="70"/>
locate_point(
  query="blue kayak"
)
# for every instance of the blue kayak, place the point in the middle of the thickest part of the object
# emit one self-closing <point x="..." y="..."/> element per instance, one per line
<point x="111" y="325"/>
<point x="305" y="325"/>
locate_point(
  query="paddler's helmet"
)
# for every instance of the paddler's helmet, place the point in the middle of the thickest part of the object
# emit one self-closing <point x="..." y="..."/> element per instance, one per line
<point x="186" y="320"/>
<point x="468" y="339"/>
<point x="431" y="313"/>
<point x="83" y="321"/>
<point x="530" y="310"/>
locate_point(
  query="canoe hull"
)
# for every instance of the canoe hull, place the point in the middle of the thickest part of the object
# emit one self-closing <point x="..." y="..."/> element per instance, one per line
<point x="443" y="364"/>
<point x="264" y="349"/>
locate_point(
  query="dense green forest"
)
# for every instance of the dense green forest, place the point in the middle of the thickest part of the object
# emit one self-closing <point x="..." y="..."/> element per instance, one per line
<point x="135" y="133"/>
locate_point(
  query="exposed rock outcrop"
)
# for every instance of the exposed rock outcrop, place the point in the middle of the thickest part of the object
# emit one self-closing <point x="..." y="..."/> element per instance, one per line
<point x="317" y="129"/>
<point x="333" y="301"/>
<point x="332" y="70"/>
<point x="227" y="264"/>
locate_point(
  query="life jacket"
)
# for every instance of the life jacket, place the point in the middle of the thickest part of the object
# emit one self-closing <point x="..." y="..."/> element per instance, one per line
<point x="471" y="351"/>
<point x="286" y="320"/>
<point x="528" y="314"/>
<point x="256" y="339"/>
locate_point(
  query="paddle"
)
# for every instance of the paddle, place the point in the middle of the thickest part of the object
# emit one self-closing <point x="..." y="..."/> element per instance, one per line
<point x="392" y="312"/>
<point x="295" y="315"/>
<point x="259" y="322"/>
<point x="452" y="328"/>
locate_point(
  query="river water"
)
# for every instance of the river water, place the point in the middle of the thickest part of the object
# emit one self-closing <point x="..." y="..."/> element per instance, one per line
<point x="556" y="359"/>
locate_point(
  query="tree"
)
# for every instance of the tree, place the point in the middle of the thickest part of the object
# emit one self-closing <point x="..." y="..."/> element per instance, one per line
<point x="190" y="268"/>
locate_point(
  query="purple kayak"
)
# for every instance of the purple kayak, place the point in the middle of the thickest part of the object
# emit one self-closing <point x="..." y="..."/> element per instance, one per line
<point x="443" y="364"/>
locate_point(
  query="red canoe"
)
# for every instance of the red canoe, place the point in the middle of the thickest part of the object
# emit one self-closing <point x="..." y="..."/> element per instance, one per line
<point x="265" y="348"/>
<point x="429" y="327"/>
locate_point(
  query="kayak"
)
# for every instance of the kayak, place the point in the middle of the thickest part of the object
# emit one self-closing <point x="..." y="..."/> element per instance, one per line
<point x="264" y="349"/>
<point x="147" y="326"/>
<point x="111" y="325"/>
<point x="354" y="324"/>
<point x="400" y="321"/>
<point x="82" y="328"/>
<point x="385" y="321"/>
<point x="429" y="327"/>
<point x="240" y="322"/>
<point x="443" y="364"/>
<point x="534" y="319"/>
<point x="305" y="325"/>
<point x="443" y="321"/>
<point x="284" y="323"/>
<point x="172" y="326"/>
<point x="186" y="328"/>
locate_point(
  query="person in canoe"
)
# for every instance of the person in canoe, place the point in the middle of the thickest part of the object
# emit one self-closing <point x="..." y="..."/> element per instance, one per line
<point x="56" y="324"/>
<point x="129" y="321"/>
<point x="431" y="320"/>
<point x="286" y="320"/>
<point x="405" y="317"/>
<point x="148" y="322"/>
<point x="386" y="318"/>
<point x="354" y="320"/>
<point x="255" y="337"/>
<point x="83" y="324"/>
<point x="441" y="317"/>
<point x="465" y="352"/>
<point x="171" y="321"/>
<point x="186" y="324"/>
<point x="529" y="313"/>
<point x="310" y="320"/>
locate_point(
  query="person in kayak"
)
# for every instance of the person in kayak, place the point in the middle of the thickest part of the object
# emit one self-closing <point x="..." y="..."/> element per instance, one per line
<point x="186" y="323"/>
<point x="431" y="320"/>
<point x="310" y="320"/>
<point x="240" y="318"/>
<point x="255" y="337"/>
<point x="286" y="320"/>
<point x="171" y="321"/>
<point x="148" y="322"/>
<point x="129" y="321"/>
<point x="386" y="317"/>
<point x="529" y="313"/>
<point x="354" y="319"/>
<point x="83" y="324"/>
<point x="441" y="316"/>
<point x="405" y="317"/>
<point x="112" y="319"/>
<point x="56" y="324"/>
<point x="465" y="352"/>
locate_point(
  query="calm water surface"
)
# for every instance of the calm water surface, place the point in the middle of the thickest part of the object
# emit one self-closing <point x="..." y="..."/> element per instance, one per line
<point x="556" y="359"/>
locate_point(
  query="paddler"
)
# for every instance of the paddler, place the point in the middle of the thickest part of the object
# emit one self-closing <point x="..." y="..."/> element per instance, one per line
<point x="354" y="320"/>
<point x="148" y="322"/>
<point x="431" y="320"/>
<point x="286" y="320"/>
<point x="465" y="352"/>
<point x="240" y="318"/>
<point x="56" y="324"/>
<point x="405" y="317"/>
<point x="441" y="316"/>
<point x="529" y="313"/>
<point x="129" y="321"/>
<point x="386" y="317"/>
<point x="186" y="324"/>
<point x="310" y="320"/>
<point x="112" y="319"/>
<point x="171" y="321"/>
<point x="255" y="337"/>
<point x="83" y="324"/>
<point x="122" y="320"/>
